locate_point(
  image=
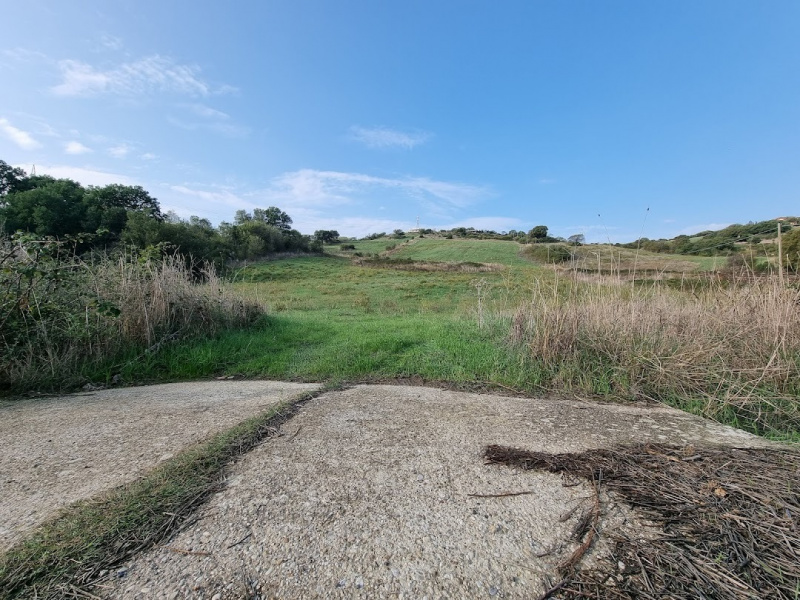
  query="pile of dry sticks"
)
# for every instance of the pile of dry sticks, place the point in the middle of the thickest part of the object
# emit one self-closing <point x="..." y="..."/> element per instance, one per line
<point x="728" y="521"/>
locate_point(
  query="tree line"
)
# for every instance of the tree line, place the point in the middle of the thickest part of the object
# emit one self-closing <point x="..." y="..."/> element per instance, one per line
<point x="124" y="215"/>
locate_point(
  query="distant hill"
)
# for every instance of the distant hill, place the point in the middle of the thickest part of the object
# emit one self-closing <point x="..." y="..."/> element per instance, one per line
<point x="717" y="243"/>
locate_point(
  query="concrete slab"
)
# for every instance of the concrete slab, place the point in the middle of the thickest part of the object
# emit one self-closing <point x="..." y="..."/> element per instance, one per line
<point x="368" y="495"/>
<point x="56" y="451"/>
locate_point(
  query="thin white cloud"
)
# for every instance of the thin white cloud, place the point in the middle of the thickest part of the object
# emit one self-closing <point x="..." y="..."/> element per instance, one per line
<point x="225" y="197"/>
<point x="74" y="147"/>
<point x="24" y="55"/>
<point x="201" y="110"/>
<point x="546" y="181"/>
<point x="84" y="176"/>
<point x="120" y="150"/>
<point x="21" y="138"/>
<point x="215" y="126"/>
<point x="148" y="156"/>
<point x="309" y="187"/>
<point x="111" y="42"/>
<point x="383" y="137"/>
<point x="147" y="75"/>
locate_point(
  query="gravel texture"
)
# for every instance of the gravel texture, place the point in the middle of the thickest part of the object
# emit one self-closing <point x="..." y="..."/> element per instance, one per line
<point x="59" y="450"/>
<point x="367" y="495"/>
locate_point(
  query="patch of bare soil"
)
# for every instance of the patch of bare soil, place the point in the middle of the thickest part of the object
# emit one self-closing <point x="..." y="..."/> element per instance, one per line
<point x="56" y="451"/>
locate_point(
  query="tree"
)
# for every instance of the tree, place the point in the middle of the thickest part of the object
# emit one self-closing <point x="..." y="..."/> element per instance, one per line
<point x="55" y="209"/>
<point x="273" y="216"/>
<point x="10" y="178"/>
<point x="327" y="236"/>
<point x="577" y="239"/>
<point x="127" y="197"/>
<point x="791" y="249"/>
<point x="538" y="233"/>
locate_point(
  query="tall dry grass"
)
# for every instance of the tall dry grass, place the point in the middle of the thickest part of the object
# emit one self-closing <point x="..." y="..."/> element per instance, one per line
<point x="730" y="352"/>
<point x="60" y="313"/>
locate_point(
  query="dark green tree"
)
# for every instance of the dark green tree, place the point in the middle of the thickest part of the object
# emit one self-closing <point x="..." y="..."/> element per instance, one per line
<point x="11" y="179"/>
<point x="327" y="236"/>
<point x="538" y="233"/>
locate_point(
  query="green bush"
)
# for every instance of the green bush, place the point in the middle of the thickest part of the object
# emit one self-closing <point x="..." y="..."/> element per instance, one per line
<point x="60" y="314"/>
<point x="548" y="253"/>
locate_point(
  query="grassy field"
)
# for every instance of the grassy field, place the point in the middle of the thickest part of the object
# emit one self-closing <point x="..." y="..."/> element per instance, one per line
<point x="522" y="327"/>
<point x="613" y="258"/>
<point x="333" y="319"/>
<point x="442" y="250"/>
<point x="731" y="353"/>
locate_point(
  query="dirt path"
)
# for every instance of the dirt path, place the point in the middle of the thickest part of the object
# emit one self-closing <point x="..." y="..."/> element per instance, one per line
<point x="59" y="450"/>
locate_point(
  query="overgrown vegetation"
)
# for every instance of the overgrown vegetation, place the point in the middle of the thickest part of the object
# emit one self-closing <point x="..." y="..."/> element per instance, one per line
<point x="63" y="315"/>
<point x="70" y="552"/>
<point x="730" y="352"/>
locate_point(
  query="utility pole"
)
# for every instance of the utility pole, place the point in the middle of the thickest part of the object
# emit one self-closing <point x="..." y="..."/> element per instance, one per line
<point x="780" y="254"/>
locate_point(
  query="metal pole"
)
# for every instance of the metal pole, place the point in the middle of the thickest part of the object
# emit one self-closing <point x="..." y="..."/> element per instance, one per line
<point x="780" y="254"/>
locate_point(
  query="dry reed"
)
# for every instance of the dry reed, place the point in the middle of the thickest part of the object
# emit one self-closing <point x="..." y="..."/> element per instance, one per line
<point x="720" y="347"/>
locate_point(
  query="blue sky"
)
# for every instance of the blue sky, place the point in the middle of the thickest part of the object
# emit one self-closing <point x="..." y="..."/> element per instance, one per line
<point x="361" y="116"/>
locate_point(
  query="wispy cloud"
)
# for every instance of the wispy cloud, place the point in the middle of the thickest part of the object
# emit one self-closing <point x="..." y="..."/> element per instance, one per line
<point x="21" y="138"/>
<point x="147" y="75"/>
<point x="84" y="176"/>
<point x="201" y="110"/>
<point x="120" y="150"/>
<point x="74" y="147"/>
<point x="148" y="156"/>
<point x="546" y="181"/>
<point x="202" y="117"/>
<point x="24" y="55"/>
<point x="227" y="129"/>
<point x="383" y="137"/>
<point x="111" y="42"/>
<point x="309" y="187"/>
<point x="214" y="198"/>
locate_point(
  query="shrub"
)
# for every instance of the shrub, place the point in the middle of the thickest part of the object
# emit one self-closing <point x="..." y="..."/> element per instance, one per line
<point x="60" y="313"/>
<point x="548" y="254"/>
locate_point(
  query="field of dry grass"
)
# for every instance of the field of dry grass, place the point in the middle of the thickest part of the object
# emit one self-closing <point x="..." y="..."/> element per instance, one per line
<point x="731" y="350"/>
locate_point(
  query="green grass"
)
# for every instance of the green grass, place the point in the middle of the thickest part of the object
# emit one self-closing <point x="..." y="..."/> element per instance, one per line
<point x="455" y="250"/>
<point x="327" y="345"/>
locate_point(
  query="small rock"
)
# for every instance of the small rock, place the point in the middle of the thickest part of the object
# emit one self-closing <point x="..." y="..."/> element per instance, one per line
<point x="122" y="572"/>
<point x="216" y="596"/>
<point x="359" y="582"/>
<point x="493" y="591"/>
